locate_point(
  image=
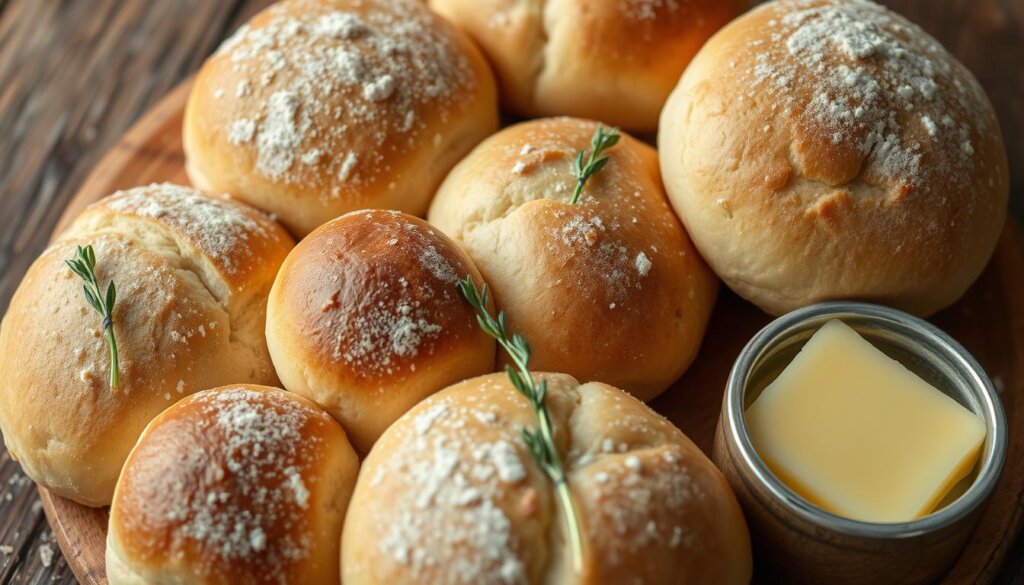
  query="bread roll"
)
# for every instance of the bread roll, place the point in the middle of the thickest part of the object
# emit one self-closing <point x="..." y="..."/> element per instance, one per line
<point x="366" y="320"/>
<point x="609" y="289"/>
<point x="610" y="60"/>
<point x="830" y="149"/>
<point x="319" y="107"/>
<point x="451" y="494"/>
<point x="192" y="277"/>
<point x="239" y="484"/>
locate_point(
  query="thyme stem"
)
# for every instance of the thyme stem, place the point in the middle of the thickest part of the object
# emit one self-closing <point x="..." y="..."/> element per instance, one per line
<point x="540" y="441"/>
<point x="604" y="138"/>
<point x="84" y="265"/>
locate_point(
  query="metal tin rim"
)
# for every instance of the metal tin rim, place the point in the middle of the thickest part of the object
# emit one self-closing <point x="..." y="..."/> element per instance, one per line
<point x="993" y="455"/>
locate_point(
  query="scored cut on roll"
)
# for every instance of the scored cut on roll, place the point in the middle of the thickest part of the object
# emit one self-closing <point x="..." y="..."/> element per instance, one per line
<point x="451" y="494"/>
<point x="238" y="484"/>
<point x="607" y="289"/>
<point x="609" y="60"/>
<point x="828" y="149"/>
<point x="319" y="107"/>
<point x="365" y="319"/>
<point x="192" y="275"/>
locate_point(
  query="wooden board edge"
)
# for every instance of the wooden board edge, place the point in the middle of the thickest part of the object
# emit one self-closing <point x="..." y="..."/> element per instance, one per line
<point x="58" y="510"/>
<point x="96" y="185"/>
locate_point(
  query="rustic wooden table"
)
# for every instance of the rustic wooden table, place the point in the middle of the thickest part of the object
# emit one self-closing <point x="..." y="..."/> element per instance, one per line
<point x="74" y="74"/>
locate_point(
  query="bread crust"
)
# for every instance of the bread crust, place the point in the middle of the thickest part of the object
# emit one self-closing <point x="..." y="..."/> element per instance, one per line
<point x="815" y="158"/>
<point x="366" y="320"/>
<point x="451" y="494"/>
<point x="319" y="107"/>
<point x="238" y="484"/>
<point x="192" y="275"/>
<point x="609" y="60"/>
<point x="608" y="289"/>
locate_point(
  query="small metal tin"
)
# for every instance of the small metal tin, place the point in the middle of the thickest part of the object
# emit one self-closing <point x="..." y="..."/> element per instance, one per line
<point x="798" y="542"/>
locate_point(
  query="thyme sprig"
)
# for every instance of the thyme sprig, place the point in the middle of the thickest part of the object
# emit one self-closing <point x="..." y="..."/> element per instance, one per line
<point x="541" y="440"/>
<point x="604" y="138"/>
<point x="84" y="265"/>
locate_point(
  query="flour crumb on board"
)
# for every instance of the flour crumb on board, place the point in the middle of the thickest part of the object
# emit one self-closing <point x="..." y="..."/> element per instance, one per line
<point x="46" y="554"/>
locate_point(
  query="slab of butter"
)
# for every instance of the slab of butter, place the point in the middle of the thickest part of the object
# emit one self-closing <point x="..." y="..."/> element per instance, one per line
<point x="860" y="435"/>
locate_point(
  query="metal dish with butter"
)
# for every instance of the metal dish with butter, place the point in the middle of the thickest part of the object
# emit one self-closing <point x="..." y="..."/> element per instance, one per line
<point x="803" y="543"/>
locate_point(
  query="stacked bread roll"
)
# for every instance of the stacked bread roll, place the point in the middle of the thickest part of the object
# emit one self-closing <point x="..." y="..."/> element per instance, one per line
<point x="451" y="495"/>
<point x="814" y="149"/>
<point x="831" y="149"/>
<point x="609" y="288"/>
<point x="610" y="60"/>
<point x="319" y="107"/>
<point x="365" y="319"/>
<point x="239" y="484"/>
<point x="192" y="276"/>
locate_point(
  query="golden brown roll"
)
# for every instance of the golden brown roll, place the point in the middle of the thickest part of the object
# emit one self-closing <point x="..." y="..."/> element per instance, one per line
<point x="192" y="276"/>
<point x="451" y="494"/>
<point x="319" y="107"/>
<point x="239" y="484"/>
<point x="365" y="319"/>
<point x="830" y="149"/>
<point x="609" y="289"/>
<point x="610" y="60"/>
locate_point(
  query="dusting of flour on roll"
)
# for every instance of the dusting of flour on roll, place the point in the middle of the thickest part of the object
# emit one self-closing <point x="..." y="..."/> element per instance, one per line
<point x="365" y="319"/>
<point x="241" y="484"/>
<point x="829" y="149"/>
<point x="192" y="276"/>
<point x="452" y="494"/>
<point x="318" y="107"/>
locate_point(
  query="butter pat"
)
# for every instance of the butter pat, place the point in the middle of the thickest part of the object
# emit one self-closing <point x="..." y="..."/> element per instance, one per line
<point x="860" y="435"/>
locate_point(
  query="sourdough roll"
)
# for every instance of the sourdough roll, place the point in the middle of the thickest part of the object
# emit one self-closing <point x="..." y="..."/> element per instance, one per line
<point x="830" y="149"/>
<point x="238" y="484"/>
<point x="607" y="289"/>
<point x="192" y="276"/>
<point x="319" y="107"/>
<point x="610" y="60"/>
<point x="365" y="319"/>
<point x="451" y="494"/>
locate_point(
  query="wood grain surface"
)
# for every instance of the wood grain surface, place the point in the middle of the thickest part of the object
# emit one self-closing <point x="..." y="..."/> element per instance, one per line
<point x="75" y="74"/>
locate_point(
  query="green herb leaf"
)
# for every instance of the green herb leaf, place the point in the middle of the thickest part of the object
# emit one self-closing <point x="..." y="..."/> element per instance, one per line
<point x="84" y="265"/>
<point x="603" y="139"/>
<point x="539" y="441"/>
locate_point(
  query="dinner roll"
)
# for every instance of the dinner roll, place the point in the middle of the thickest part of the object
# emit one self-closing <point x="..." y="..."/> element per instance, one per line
<point x="610" y="60"/>
<point x="365" y="319"/>
<point x="609" y="289"/>
<point x="239" y="484"/>
<point x="192" y="277"/>
<point x="319" y="107"/>
<point x="830" y="149"/>
<point x="451" y="494"/>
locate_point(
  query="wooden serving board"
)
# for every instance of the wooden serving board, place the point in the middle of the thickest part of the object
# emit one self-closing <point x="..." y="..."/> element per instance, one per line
<point x="989" y="321"/>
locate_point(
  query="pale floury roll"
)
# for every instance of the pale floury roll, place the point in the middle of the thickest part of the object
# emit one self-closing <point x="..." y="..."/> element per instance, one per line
<point x="192" y="276"/>
<point x="451" y="494"/>
<point x="319" y="107"/>
<point x="830" y="149"/>
<point x="238" y="484"/>
<point x="608" y="289"/>
<point x="610" y="60"/>
<point x="365" y="319"/>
